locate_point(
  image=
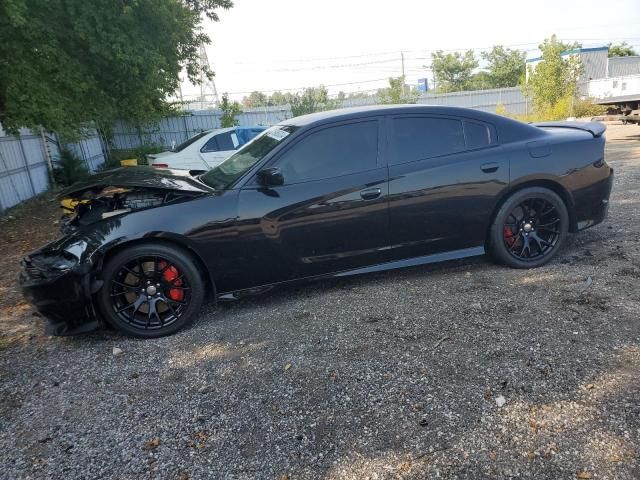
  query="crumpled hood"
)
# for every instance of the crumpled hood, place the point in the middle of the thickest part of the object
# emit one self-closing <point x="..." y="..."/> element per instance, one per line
<point x="139" y="177"/>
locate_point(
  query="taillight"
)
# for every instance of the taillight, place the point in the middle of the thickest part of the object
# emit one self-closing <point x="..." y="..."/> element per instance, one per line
<point x="160" y="165"/>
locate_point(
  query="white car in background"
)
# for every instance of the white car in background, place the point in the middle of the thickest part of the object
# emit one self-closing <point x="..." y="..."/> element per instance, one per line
<point x="205" y="150"/>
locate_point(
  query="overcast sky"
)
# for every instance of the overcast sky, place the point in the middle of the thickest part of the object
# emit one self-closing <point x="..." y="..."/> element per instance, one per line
<point x="353" y="45"/>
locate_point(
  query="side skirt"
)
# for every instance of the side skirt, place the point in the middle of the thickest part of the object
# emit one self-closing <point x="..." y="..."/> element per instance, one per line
<point x="412" y="262"/>
<point x="380" y="267"/>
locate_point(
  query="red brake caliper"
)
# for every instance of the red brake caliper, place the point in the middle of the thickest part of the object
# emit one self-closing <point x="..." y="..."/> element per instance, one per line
<point x="509" y="237"/>
<point x="171" y="275"/>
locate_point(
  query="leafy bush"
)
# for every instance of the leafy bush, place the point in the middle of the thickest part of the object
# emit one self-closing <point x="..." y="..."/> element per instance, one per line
<point x="69" y="169"/>
<point x="397" y="92"/>
<point x="312" y="99"/>
<point x="564" y="108"/>
<point x="586" y="108"/>
<point x="230" y="110"/>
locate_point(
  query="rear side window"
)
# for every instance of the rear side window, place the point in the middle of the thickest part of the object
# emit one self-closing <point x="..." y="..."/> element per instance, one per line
<point x="210" y="146"/>
<point x="332" y="152"/>
<point x="418" y="138"/>
<point x="225" y="141"/>
<point x="478" y="135"/>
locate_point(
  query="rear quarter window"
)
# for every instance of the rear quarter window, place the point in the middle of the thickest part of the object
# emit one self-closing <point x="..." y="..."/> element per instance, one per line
<point x="419" y="138"/>
<point x="478" y="135"/>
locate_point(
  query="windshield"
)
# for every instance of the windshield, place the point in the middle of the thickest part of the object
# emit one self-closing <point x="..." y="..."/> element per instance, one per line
<point x="236" y="165"/>
<point x="188" y="142"/>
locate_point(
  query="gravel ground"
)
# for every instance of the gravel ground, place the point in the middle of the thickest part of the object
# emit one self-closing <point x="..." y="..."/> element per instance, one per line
<point x="458" y="370"/>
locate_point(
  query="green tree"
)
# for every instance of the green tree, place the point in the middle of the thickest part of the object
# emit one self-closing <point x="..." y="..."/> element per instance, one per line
<point x="553" y="81"/>
<point x="312" y="99"/>
<point x="453" y="71"/>
<point x="255" y="99"/>
<point x="397" y="92"/>
<point x="67" y="62"/>
<point x="230" y="110"/>
<point x="621" y="50"/>
<point x="480" y="81"/>
<point x="506" y="67"/>
<point x="279" y="98"/>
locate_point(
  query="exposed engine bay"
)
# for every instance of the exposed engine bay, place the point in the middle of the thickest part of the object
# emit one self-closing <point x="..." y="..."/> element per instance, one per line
<point x="97" y="204"/>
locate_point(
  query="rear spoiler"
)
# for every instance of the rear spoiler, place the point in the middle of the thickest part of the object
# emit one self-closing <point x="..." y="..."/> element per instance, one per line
<point x="594" y="128"/>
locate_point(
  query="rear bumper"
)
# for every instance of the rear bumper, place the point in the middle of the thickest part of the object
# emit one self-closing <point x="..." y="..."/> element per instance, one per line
<point x="64" y="299"/>
<point x="592" y="203"/>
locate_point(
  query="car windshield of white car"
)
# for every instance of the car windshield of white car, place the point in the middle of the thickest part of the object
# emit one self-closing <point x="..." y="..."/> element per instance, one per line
<point x="236" y="165"/>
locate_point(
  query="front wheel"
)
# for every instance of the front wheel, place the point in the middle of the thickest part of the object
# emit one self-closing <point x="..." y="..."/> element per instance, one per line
<point x="529" y="228"/>
<point x="150" y="290"/>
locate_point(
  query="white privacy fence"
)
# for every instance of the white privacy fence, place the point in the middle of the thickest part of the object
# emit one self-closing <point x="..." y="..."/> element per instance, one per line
<point x="24" y="170"/>
<point x="25" y="161"/>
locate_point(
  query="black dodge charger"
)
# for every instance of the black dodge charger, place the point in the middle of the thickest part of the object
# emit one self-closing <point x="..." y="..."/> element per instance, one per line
<point x="329" y="194"/>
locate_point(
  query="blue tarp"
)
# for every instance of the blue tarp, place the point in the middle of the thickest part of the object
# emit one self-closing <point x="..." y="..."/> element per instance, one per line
<point x="245" y="134"/>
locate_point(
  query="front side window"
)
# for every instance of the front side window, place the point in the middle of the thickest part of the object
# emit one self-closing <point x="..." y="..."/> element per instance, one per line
<point x="419" y="138"/>
<point x="332" y="152"/>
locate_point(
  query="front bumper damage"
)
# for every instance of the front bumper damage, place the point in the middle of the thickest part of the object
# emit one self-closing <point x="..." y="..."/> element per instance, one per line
<point x="59" y="281"/>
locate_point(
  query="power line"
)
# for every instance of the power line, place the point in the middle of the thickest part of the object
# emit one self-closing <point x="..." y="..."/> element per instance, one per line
<point x="422" y="50"/>
<point x="396" y="59"/>
<point x="302" y="88"/>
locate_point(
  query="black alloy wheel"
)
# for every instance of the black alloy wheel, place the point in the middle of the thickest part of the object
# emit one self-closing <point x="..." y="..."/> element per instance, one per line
<point x="529" y="228"/>
<point x="150" y="290"/>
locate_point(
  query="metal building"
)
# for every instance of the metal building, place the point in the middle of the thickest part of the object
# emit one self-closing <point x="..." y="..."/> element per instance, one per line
<point x="620" y="66"/>
<point x="594" y="62"/>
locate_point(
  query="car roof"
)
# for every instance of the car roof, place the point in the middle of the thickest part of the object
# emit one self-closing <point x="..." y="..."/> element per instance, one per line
<point x="514" y="127"/>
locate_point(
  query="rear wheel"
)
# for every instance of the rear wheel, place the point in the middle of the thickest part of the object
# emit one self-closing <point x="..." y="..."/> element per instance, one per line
<point x="529" y="228"/>
<point x="150" y="290"/>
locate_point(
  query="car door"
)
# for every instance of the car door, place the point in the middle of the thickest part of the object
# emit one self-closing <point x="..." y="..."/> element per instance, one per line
<point x="331" y="212"/>
<point x="218" y="148"/>
<point x="445" y="175"/>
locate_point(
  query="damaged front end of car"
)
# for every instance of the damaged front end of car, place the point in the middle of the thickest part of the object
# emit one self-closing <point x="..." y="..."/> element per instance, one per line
<point x="95" y="205"/>
<point x="58" y="281"/>
<point x="61" y="278"/>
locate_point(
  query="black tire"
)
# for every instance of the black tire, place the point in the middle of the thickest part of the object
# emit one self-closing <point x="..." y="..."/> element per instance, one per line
<point x="515" y="239"/>
<point x="161" y="284"/>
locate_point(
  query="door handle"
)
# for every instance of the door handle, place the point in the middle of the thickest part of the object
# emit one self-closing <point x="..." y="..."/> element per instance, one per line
<point x="371" y="193"/>
<point x="489" y="167"/>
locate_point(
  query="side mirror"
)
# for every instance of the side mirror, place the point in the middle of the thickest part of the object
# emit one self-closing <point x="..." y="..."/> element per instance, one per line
<point x="270" y="177"/>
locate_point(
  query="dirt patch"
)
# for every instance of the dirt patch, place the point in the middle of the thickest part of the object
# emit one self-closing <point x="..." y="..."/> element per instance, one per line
<point x="24" y="228"/>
